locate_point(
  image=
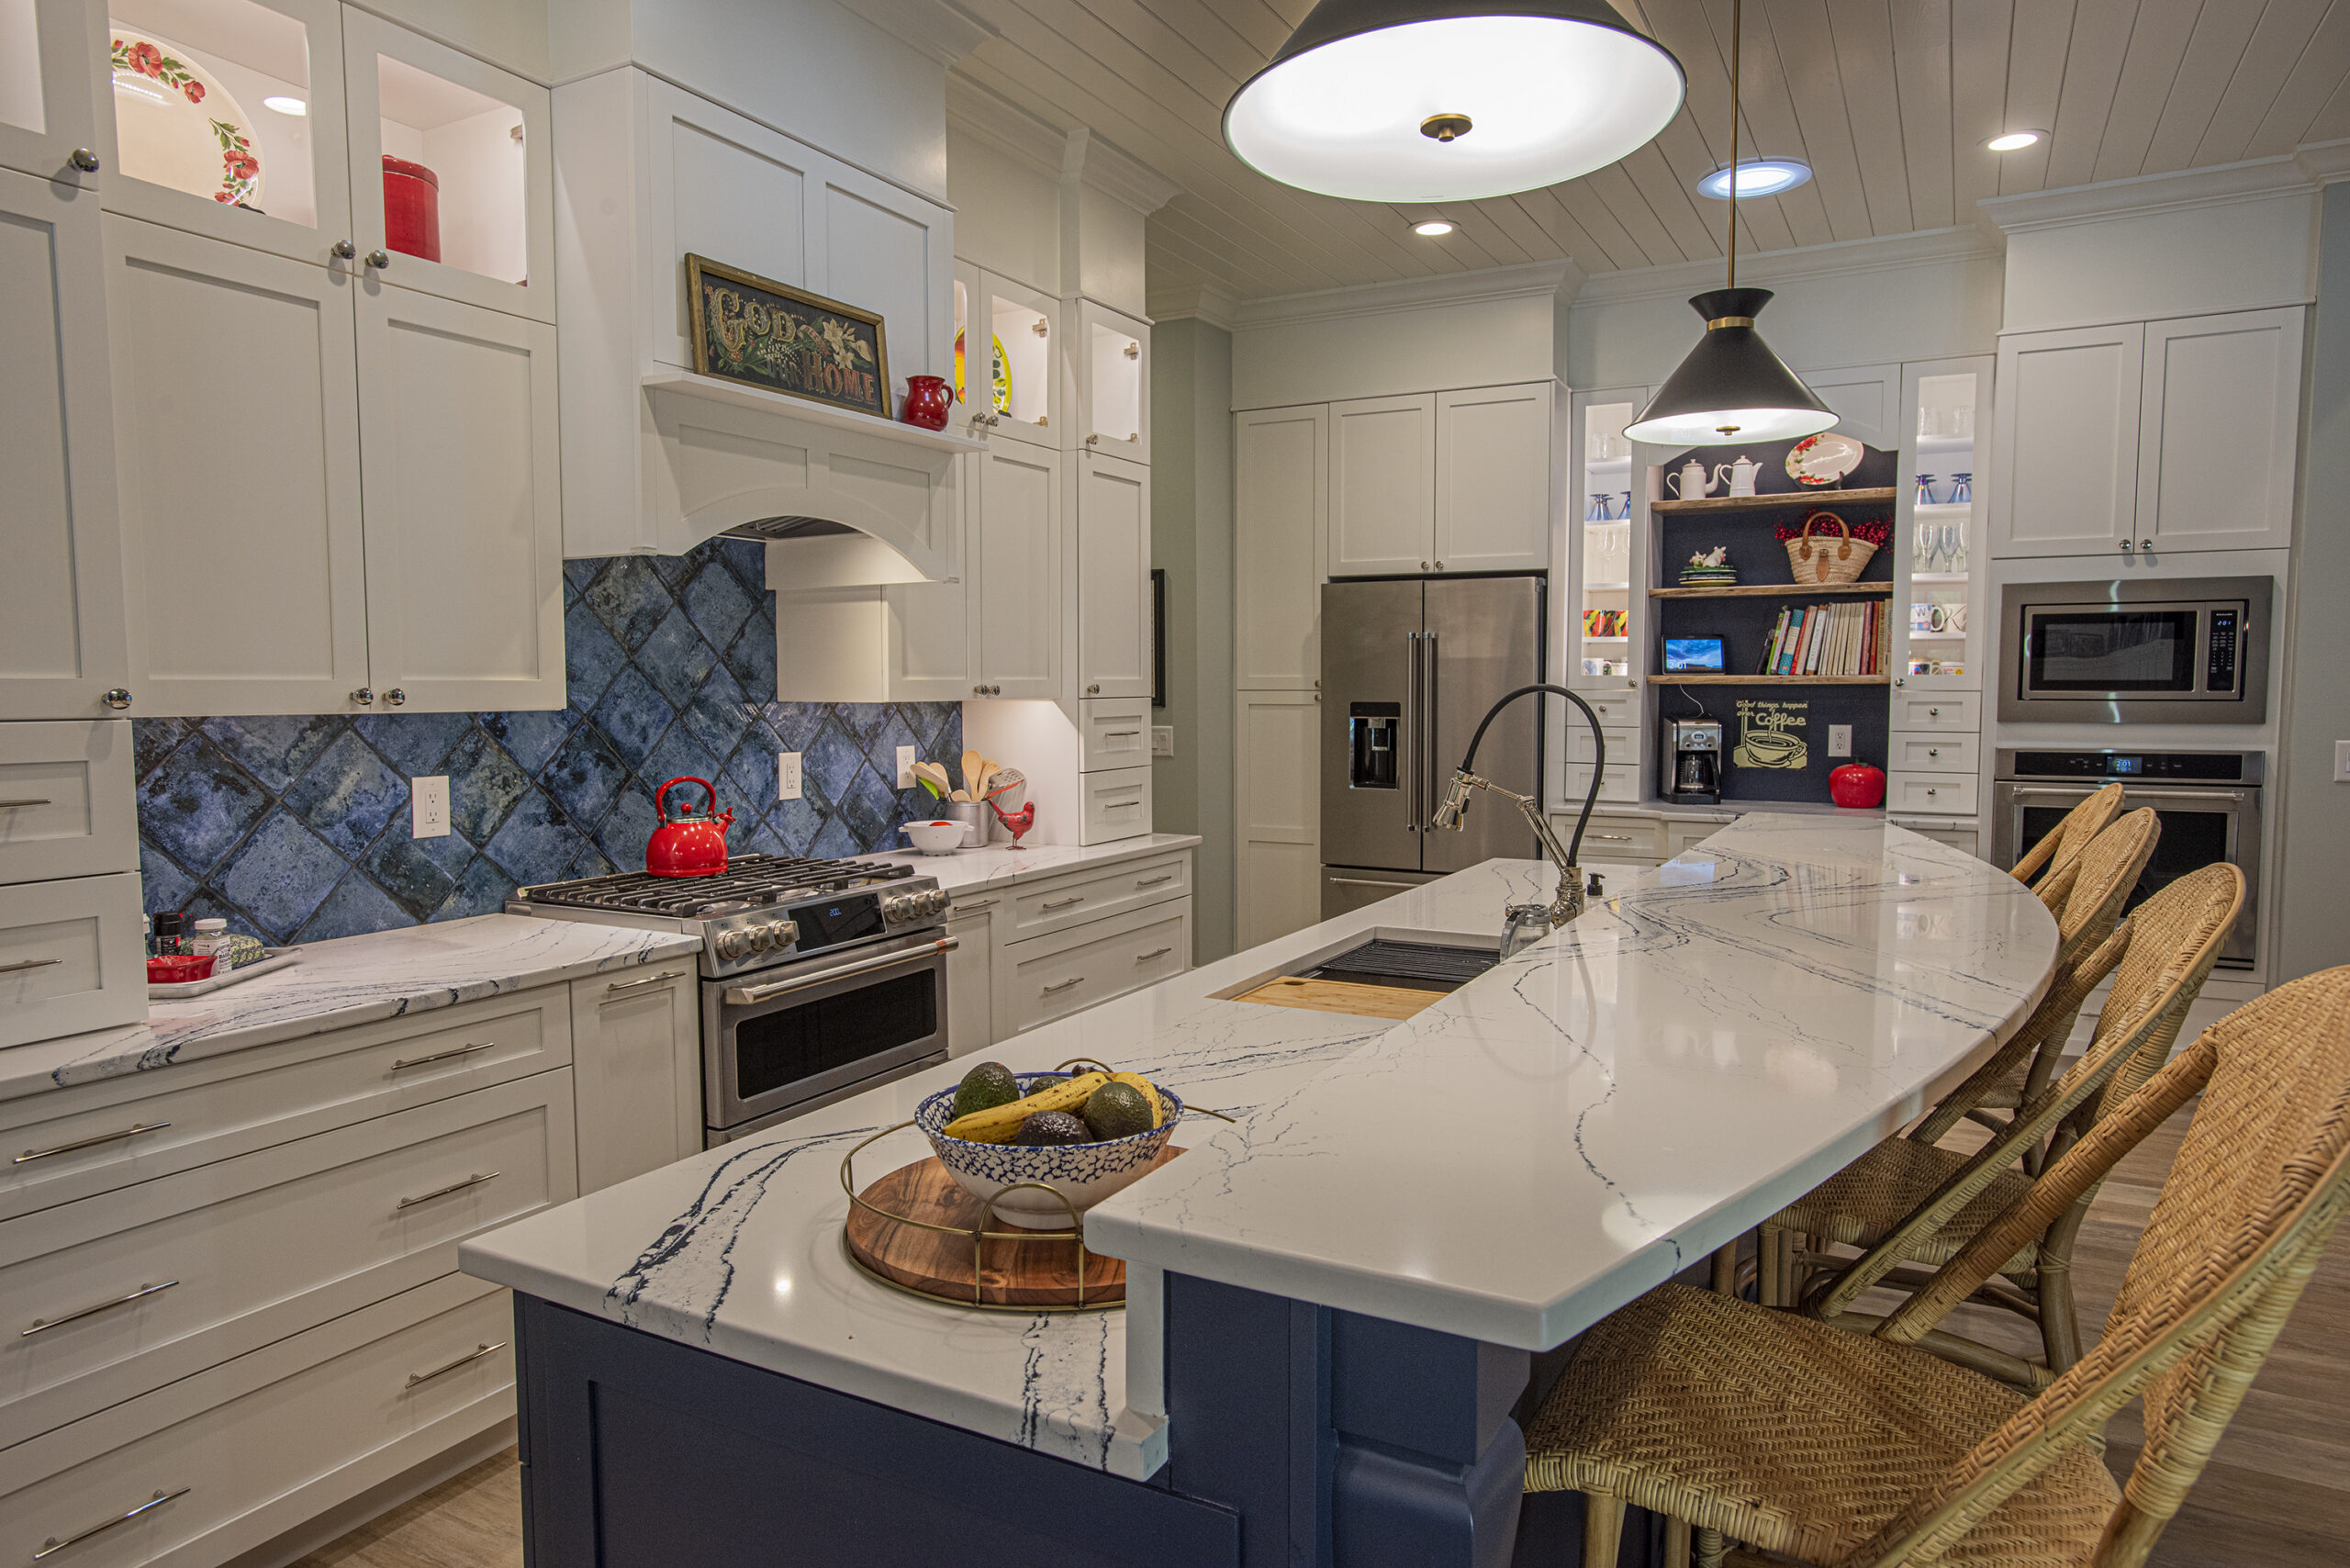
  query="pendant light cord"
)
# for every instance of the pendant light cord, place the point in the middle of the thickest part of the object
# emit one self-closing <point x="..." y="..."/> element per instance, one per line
<point x="1737" y="31"/>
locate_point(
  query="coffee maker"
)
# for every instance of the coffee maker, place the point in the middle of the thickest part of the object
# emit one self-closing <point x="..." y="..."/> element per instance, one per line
<point x="1692" y="762"/>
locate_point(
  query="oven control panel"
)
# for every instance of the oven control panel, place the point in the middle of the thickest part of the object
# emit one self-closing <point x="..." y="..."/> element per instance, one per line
<point x="2220" y="662"/>
<point x="919" y="907"/>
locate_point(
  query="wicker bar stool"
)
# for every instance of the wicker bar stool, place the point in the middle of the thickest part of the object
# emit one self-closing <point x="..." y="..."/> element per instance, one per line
<point x="1862" y="1452"/>
<point x="1909" y="1200"/>
<point x="2063" y="843"/>
<point x="2098" y="882"/>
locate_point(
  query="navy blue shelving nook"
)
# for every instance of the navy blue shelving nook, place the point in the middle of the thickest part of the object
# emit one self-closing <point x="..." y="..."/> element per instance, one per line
<point x="1742" y="702"/>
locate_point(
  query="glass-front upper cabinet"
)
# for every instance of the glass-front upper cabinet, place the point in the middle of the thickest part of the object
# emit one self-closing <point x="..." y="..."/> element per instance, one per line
<point x="1008" y="366"/>
<point x="1113" y="383"/>
<point x="1605" y="499"/>
<point x="1942" y="557"/>
<point x="45" y="127"/>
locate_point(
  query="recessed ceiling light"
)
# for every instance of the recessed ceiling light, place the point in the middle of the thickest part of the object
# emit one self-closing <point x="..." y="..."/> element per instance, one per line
<point x="2012" y="142"/>
<point x="285" y="104"/>
<point x="1756" y="177"/>
<point x="1434" y="228"/>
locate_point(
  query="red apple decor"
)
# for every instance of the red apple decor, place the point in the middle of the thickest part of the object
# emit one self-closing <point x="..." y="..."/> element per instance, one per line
<point x="1856" y="786"/>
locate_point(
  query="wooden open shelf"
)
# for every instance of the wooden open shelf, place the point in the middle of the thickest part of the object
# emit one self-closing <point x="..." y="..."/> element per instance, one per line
<point x="1770" y="680"/>
<point x="1760" y="590"/>
<point x="1887" y="494"/>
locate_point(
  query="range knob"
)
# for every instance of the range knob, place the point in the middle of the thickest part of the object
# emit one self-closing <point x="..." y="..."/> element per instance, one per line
<point x="936" y="901"/>
<point x="734" y="944"/>
<point x="782" y="934"/>
<point x="897" y="908"/>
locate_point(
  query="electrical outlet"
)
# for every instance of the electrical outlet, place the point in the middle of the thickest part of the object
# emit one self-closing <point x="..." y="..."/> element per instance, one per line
<point x="1162" y="740"/>
<point x="429" y="807"/>
<point x="2342" y="762"/>
<point x="1840" y="740"/>
<point x="905" y="767"/>
<point x="786" y="776"/>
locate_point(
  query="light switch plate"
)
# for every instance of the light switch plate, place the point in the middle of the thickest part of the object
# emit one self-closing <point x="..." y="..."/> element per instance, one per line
<point x="2342" y="762"/>
<point x="429" y="807"/>
<point x="1840" y="740"/>
<point x="786" y="776"/>
<point x="1162" y="740"/>
<point x="905" y="767"/>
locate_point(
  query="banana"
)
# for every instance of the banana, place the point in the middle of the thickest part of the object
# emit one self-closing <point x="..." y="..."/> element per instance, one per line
<point x="1000" y="1123"/>
<point x="1138" y="1081"/>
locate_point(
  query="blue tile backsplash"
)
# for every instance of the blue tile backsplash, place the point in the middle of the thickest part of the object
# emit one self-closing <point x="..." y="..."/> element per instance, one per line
<point x="296" y="829"/>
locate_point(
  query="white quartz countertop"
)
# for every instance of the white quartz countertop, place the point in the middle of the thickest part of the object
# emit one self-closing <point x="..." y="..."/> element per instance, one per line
<point x="351" y="979"/>
<point x="1000" y="865"/>
<point x="1540" y="1147"/>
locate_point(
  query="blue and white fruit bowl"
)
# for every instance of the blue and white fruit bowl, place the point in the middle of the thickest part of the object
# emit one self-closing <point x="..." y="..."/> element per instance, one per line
<point x="1083" y="1173"/>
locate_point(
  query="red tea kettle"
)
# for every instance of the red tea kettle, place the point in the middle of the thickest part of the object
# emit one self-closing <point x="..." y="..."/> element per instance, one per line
<point x="691" y="843"/>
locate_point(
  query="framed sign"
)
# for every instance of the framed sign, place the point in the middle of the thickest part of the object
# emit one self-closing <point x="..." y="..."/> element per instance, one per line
<point x="764" y="334"/>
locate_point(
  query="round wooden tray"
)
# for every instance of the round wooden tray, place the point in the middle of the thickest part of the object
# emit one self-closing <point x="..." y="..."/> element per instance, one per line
<point x="1024" y="1271"/>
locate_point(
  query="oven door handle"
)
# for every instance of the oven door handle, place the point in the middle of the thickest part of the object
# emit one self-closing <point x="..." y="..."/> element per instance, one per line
<point x="745" y="996"/>
<point x="2161" y="794"/>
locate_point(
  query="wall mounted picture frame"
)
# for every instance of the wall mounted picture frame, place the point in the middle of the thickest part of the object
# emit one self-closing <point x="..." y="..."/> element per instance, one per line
<point x="770" y="335"/>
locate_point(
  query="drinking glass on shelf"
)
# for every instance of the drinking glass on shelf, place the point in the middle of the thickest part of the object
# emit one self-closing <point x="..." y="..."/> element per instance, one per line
<point x="1962" y="421"/>
<point x="1927" y="532"/>
<point x="1925" y="489"/>
<point x="1626" y="512"/>
<point x="1952" y="538"/>
<point x="1596" y="510"/>
<point x="1961" y="487"/>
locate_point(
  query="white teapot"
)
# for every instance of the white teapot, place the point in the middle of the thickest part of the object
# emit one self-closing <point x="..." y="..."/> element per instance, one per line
<point x="1742" y="475"/>
<point x="1694" y="480"/>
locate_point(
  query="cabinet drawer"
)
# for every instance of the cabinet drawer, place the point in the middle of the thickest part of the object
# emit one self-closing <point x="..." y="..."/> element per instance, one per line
<point x="1072" y="901"/>
<point x="1052" y="976"/>
<point x="66" y="806"/>
<point x="1623" y="746"/>
<point x="1682" y="836"/>
<point x="1113" y="732"/>
<point x="125" y="1292"/>
<point x="261" y="1444"/>
<point x="1619" y="783"/>
<point x="1617" y="709"/>
<point x="1933" y="754"/>
<point x="70" y="957"/>
<point x="1959" y="838"/>
<point x="1937" y="710"/>
<point x="1940" y="794"/>
<point x="244" y="1100"/>
<point x="1117" y="805"/>
<point x="1612" y="838"/>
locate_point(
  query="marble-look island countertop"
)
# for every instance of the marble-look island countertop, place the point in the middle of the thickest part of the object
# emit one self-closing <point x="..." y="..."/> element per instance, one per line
<point x="1000" y="865"/>
<point x="1525" y="1155"/>
<point x="350" y="979"/>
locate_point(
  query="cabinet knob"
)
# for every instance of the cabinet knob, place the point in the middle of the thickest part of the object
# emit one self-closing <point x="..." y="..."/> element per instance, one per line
<point x="1900" y="680"/>
<point x="2144" y="545"/>
<point x="1934" y="751"/>
<point x="979" y="691"/>
<point x="1094" y="689"/>
<point x="395" y="698"/>
<point x="83" y="159"/>
<point x="342" y="249"/>
<point x="365" y="697"/>
<point x="1424" y="565"/>
<point x="1934" y="712"/>
<point x="1439" y="565"/>
<point x="2126" y="547"/>
<point x="1093" y="440"/>
<point x="995" y="691"/>
<point x="116" y="697"/>
<point x="379" y="259"/>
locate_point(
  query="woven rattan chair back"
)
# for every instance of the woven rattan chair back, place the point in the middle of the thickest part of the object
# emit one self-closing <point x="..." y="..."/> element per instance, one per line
<point x="2258" y="1186"/>
<point x="2064" y="842"/>
<point x="2102" y="878"/>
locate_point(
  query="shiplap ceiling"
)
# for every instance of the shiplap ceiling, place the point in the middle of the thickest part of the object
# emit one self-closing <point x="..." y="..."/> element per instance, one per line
<point x="1889" y="101"/>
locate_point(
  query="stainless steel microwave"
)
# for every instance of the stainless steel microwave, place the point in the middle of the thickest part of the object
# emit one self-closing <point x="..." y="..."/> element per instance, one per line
<point x="2168" y="651"/>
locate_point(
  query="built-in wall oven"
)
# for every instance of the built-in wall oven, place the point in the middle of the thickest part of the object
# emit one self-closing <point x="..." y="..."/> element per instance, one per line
<point x="2208" y="803"/>
<point x="2158" y="651"/>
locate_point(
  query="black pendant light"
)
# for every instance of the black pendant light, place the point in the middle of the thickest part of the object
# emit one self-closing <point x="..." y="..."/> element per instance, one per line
<point x="1452" y="100"/>
<point x="1731" y="388"/>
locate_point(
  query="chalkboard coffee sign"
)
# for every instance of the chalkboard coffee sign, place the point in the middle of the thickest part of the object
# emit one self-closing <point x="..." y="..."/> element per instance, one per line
<point x="764" y="333"/>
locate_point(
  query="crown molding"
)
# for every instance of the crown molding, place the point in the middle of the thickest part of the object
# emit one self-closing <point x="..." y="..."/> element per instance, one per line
<point x="1197" y="302"/>
<point x="1086" y="158"/>
<point x="940" y="28"/>
<point x="996" y="122"/>
<point x="2324" y="161"/>
<point x="2224" y="184"/>
<point x="1842" y="258"/>
<point x="1557" y="279"/>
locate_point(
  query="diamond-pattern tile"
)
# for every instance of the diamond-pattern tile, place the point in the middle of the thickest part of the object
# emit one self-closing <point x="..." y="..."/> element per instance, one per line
<point x="296" y="828"/>
<point x="679" y="756"/>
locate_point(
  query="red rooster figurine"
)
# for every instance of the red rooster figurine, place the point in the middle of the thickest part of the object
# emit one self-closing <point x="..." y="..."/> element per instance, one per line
<point x="1015" y="822"/>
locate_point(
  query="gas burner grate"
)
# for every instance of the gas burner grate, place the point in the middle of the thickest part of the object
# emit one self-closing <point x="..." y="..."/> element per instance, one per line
<point x="749" y="881"/>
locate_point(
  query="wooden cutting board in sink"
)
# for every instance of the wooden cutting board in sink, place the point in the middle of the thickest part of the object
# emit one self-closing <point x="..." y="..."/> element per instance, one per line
<point x="1343" y="996"/>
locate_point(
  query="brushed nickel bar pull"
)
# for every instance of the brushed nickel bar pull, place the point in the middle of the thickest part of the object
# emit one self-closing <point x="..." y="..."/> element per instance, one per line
<point x="44" y="1324"/>
<point x="745" y="995"/>
<point x="1370" y="882"/>
<point x="133" y="1131"/>
<point x="1611" y="837"/>
<point x="1154" y="952"/>
<point x="465" y="1050"/>
<point x="1121" y="805"/>
<point x="5" y="804"/>
<point x="27" y="964"/>
<point x="1107" y="734"/>
<point x="444" y="1192"/>
<point x="1061" y="903"/>
<point x="962" y="908"/>
<point x="665" y="975"/>
<point x="54" y="1545"/>
<point x="464" y="1360"/>
<point x="1154" y="881"/>
<point x="1064" y="985"/>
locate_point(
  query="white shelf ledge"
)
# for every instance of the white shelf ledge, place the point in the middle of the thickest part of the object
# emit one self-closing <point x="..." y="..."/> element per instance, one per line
<point x="1944" y="508"/>
<point x="1607" y="587"/>
<point x="734" y="394"/>
<point x="1939" y="577"/>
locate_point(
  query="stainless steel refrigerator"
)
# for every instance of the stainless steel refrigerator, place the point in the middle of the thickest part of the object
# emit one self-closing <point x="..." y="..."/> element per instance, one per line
<point x="1408" y="667"/>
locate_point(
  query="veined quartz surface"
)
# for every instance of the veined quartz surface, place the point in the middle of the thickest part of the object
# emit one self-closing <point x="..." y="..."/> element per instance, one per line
<point x="999" y="865"/>
<point x="350" y="979"/>
<point x="1791" y="988"/>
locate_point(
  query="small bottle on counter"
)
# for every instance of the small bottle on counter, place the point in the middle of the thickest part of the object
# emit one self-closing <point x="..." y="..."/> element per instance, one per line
<point x="211" y="940"/>
<point x="170" y="933"/>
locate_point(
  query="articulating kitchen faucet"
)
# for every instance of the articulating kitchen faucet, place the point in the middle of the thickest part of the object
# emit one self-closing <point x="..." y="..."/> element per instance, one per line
<point x="1526" y="924"/>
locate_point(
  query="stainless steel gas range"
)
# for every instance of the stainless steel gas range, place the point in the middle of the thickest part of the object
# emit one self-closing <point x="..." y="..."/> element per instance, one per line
<point x="819" y="978"/>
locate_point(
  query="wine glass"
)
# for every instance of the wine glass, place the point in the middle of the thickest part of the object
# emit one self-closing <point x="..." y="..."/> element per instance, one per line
<point x="1949" y="536"/>
<point x="1926" y="535"/>
<point x="1958" y="547"/>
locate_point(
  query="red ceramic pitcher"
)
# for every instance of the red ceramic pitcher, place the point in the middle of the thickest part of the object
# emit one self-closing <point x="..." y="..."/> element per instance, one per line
<point x="926" y="401"/>
<point x="691" y="843"/>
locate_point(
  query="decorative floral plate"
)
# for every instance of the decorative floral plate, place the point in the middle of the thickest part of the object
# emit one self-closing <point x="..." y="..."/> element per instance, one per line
<point x="176" y="126"/>
<point x="1003" y="376"/>
<point x="1821" y="460"/>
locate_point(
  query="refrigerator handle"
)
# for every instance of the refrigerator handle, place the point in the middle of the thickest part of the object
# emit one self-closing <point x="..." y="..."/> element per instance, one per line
<point x="1411" y="737"/>
<point x="1430" y="770"/>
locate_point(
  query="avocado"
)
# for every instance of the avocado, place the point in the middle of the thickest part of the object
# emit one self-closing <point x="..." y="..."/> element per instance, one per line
<point x="1116" y="1110"/>
<point x="985" y="1087"/>
<point x="1052" y="1127"/>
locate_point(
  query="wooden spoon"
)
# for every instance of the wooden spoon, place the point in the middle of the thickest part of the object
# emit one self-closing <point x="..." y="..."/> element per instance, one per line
<point x="986" y="771"/>
<point x="970" y="770"/>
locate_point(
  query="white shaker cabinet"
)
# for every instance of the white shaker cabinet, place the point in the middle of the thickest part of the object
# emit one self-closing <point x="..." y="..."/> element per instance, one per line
<point x="62" y="628"/>
<point x="45" y="124"/>
<point x="636" y="1071"/>
<point x="1113" y="381"/>
<point x="1280" y="523"/>
<point x="1013" y="572"/>
<point x="1113" y="608"/>
<point x="1493" y="483"/>
<point x="2065" y="462"/>
<point x="973" y="1016"/>
<point x="2218" y="423"/>
<point x="1382" y="485"/>
<point x="1277" y="799"/>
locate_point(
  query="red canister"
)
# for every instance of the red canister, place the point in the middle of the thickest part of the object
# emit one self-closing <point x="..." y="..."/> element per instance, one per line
<point x="411" y="208"/>
<point x="926" y="401"/>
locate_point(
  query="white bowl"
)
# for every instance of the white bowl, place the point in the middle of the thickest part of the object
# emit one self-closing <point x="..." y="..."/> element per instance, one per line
<point x="1084" y="1173"/>
<point x="934" y="837"/>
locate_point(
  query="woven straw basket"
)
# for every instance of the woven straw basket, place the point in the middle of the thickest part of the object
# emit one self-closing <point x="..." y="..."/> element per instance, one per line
<point x="1817" y="560"/>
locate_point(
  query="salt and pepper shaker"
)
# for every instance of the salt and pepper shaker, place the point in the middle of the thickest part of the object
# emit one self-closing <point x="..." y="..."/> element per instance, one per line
<point x="212" y="939"/>
<point x="170" y="934"/>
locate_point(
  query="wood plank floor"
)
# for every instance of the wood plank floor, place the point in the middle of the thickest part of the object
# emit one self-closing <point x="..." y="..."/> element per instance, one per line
<point x="2277" y="1494"/>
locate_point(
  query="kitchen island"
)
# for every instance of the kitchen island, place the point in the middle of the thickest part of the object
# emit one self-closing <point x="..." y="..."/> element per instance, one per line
<point x="1334" y="1304"/>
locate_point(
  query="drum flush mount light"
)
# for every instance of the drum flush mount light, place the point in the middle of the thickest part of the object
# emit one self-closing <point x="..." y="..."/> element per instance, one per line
<point x="1452" y="100"/>
<point x="1731" y="388"/>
